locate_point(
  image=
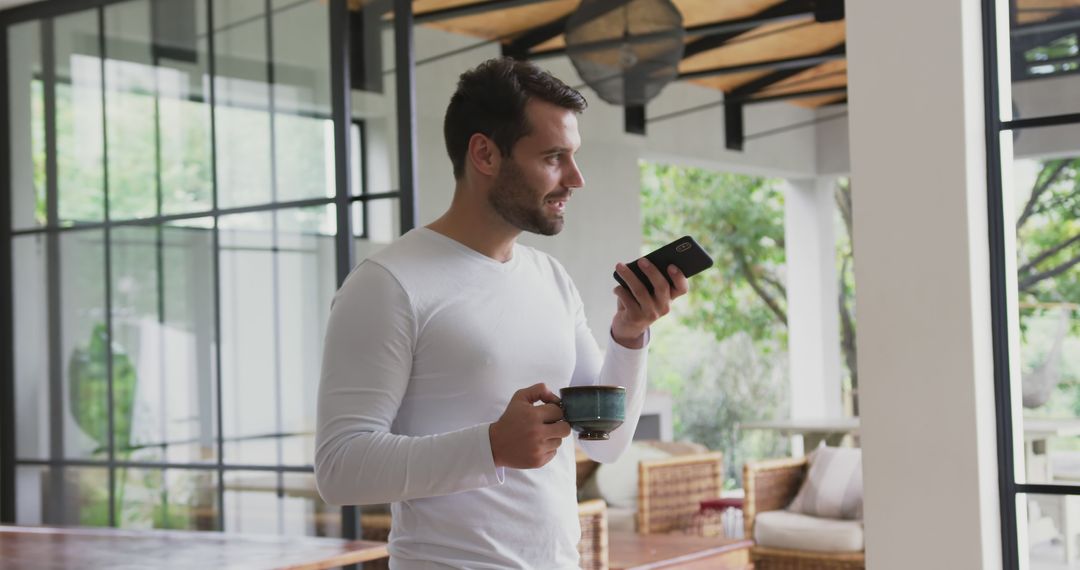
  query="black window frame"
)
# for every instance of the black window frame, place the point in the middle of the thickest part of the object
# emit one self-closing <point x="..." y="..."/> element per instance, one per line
<point x="343" y="201"/>
<point x="1008" y="487"/>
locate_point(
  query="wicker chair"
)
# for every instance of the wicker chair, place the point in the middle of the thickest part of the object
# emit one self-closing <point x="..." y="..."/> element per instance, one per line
<point x="593" y="547"/>
<point x="770" y="486"/>
<point x="670" y="490"/>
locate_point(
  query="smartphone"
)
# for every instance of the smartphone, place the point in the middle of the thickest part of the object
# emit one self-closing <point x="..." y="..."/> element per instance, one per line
<point x="684" y="253"/>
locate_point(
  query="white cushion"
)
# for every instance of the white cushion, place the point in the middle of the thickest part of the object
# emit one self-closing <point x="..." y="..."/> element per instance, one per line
<point x="617" y="483"/>
<point x="833" y="487"/>
<point x="783" y="529"/>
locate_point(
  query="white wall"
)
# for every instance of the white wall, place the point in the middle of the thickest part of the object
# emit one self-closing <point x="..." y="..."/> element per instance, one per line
<point x="925" y="358"/>
<point x="812" y="308"/>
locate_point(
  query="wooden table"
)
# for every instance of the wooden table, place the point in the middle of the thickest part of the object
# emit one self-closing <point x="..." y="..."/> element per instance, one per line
<point x="630" y="551"/>
<point x="50" y="548"/>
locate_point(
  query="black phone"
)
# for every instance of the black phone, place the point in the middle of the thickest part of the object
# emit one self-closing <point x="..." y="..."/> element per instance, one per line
<point x="684" y="253"/>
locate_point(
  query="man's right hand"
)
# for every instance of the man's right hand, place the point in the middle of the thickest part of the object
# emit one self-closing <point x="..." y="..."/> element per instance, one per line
<point x="527" y="436"/>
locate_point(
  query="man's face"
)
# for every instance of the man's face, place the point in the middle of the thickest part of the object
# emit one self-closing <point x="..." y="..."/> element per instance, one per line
<point x="535" y="182"/>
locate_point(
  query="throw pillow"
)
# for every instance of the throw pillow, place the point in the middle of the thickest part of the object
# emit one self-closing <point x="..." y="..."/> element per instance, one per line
<point x="833" y="486"/>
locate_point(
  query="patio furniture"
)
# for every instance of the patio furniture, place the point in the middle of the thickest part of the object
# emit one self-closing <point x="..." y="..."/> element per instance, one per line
<point x="47" y="548"/>
<point x="632" y="551"/>
<point x="670" y="490"/>
<point x="771" y="486"/>
<point x="593" y="546"/>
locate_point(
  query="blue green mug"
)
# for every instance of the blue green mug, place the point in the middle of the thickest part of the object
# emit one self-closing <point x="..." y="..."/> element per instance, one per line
<point x="593" y="411"/>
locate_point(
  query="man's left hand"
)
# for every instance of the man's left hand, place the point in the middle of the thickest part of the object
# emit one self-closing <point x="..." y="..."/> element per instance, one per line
<point x="638" y="309"/>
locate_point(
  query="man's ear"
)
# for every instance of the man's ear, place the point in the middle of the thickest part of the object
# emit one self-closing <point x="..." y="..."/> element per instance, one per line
<point x="483" y="154"/>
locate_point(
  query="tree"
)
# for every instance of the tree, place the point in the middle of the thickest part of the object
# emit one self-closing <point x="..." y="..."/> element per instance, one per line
<point x="1048" y="282"/>
<point x="739" y="219"/>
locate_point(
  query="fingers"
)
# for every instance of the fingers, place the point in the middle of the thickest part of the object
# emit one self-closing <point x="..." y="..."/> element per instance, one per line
<point x="682" y="285"/>
<point x="637" y="289"/>
<point x="550" y="413"/>
<point x="536" y="393"/>
<point x="659" y="282"/>
<point x="626" y="298"/>
<point x="556" y="432"/>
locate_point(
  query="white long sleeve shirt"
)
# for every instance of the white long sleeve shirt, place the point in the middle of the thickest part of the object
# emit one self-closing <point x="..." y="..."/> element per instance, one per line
<point x="426" y="343"/>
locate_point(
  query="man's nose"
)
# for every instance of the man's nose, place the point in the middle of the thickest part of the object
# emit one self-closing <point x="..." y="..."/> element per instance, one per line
<point x="574" y="178"/>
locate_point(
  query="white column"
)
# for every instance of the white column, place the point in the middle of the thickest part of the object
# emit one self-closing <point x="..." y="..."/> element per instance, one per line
<point x="920" y="219"/>
<point x="813" y="318"/>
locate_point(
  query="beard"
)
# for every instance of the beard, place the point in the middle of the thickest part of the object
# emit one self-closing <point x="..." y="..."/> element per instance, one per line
<point x="516" y="202"/>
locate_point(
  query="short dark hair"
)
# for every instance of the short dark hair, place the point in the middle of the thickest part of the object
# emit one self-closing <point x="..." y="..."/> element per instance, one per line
<point x="490" y="99"/>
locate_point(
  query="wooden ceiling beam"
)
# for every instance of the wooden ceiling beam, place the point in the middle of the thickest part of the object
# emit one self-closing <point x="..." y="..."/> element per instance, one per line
<point x="470" y="10"/>
<point x="719" y="33"/>
<point x="800" y="63"/>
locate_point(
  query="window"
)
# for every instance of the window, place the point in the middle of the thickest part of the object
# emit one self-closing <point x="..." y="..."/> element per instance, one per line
<point x="1033" y="143"/>
<point x="178" y="231"/>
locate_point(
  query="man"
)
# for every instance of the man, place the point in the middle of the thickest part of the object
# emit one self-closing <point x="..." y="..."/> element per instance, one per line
<point x="445" y="350"/>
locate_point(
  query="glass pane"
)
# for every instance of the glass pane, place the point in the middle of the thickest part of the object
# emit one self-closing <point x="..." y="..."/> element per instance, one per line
<point x="1045" y="58"/>
<point x="26" y="126"/>
<point x="80" y="145"/>
<point x="182" y="68"/>
<point x="183" y="499"/>
<point x="1048" y="531"/>
<point x="163" y="344"/>
<point x="264" y="502"/>
<point x="374" y="101"/>
<point x="277" y="280"/>
<point x="31" y="347"/>
<point x="303" y="122"/>
<point x="242" y="112"/>
<point x="377" y="220"/>
<point x="83" y="344"/>
<point x="74" y="496"/>
<point x="131" y="88"/>
<point x="1046" y="210"/>
<point x="383" y="221"/>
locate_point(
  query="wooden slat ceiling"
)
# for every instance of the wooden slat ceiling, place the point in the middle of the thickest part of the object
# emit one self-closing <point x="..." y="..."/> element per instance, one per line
<point x="1031" y="11"/>
<point x="790" y="38"/>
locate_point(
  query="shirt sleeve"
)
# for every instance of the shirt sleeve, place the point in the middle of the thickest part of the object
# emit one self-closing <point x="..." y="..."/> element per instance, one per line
<point x="367" y="361"/>
<point x="619" y="366"/>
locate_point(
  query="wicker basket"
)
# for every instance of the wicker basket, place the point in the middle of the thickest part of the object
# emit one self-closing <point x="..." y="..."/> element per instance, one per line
<point x="670" y="490"/>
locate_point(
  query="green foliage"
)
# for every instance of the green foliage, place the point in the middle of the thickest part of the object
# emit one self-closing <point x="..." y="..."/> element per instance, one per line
<point x="1048" y="241"/>
<point x="1063" y="47"/>
<point x="89" y="387"/>
<point x="722" y="353"/>
<point x="739" y="220"/>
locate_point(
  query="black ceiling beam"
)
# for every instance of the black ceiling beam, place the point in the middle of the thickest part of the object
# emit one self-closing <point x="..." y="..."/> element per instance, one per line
<point x="801" y="63"/>
<point x="719" y="33"/>
<point x="519" y="47"/>
<point x="470" y="10"/>
<point x="794" y="95"/>
<point x="716" y="33"/>
<point x="754" y="86"/>
<point x="734" y="134"/>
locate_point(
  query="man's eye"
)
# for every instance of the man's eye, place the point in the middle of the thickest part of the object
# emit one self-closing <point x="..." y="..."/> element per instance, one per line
<point x="553" y="158"/>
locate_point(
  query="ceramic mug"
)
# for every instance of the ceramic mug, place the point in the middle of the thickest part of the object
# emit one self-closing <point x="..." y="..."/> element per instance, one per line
<point x="593" y="411"/>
